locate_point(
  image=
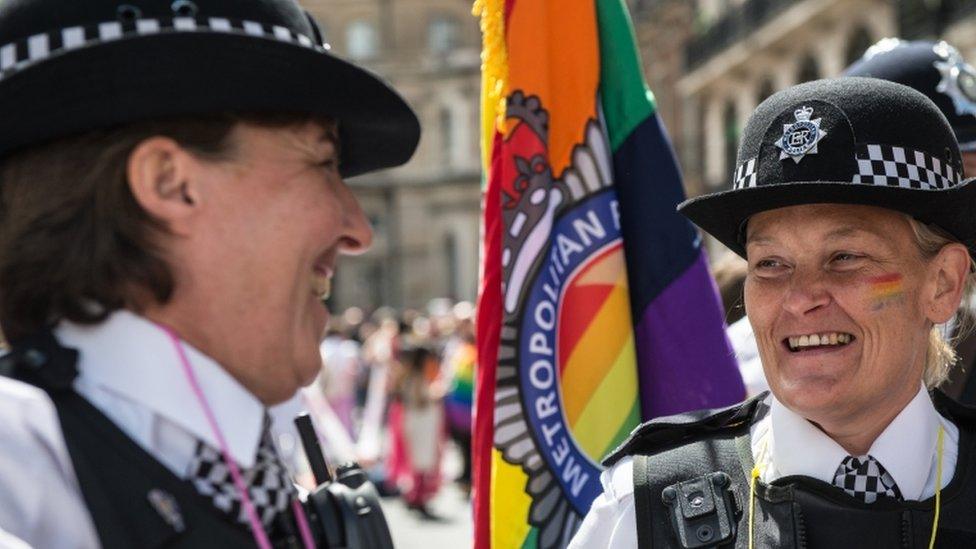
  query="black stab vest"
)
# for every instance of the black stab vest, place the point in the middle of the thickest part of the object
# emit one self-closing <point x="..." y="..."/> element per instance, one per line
<point x="115" y="474"/>
<point x="791" y="512"/>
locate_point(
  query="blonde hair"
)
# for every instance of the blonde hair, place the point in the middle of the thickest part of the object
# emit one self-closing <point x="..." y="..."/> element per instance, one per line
<point x="940" y="355"/>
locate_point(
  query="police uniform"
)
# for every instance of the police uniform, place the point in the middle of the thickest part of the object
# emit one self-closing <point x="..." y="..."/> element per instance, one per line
<point x="757" y="473"/>
<point x="104" y="444"/>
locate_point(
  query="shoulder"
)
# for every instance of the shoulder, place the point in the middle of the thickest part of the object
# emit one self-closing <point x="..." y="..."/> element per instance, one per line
<point x="962" y="415"/>
<point x="611" y="521"/>
<point x="663" y="433"/>
<point x="26" y="412"/>
<point x="30" y="430"/>
<point x="39" y="498"/>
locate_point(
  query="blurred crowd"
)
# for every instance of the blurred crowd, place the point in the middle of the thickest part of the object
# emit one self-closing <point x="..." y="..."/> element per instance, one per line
<point x="395" y="391"/>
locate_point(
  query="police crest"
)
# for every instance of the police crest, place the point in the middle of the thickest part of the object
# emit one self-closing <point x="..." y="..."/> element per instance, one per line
<point x="958" y="79"/>
<point x="801" y="137"/>
<point x="562" y="240"/>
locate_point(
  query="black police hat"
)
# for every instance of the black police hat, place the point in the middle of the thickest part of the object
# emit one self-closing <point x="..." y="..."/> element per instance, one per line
<point x="849" y="141"/>
<point x="69" y="66"/>
<point x="934" y="68"/>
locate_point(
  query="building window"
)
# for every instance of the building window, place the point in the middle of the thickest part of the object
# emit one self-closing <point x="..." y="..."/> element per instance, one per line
<point x="451" y="262"/>
<point x="442" y="35"/>
<point x="447" y="136"/>
<point x="361" y="40"/>
<point x="809" y="70"/>
<point x="730" y="125"/>
<point x="766" y="88"/>
<point x="857" y="44"/>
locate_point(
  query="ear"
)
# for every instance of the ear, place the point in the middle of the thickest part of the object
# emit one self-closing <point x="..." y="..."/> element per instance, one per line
<point x="158" y="174"/>
<point x="948" y="271"/>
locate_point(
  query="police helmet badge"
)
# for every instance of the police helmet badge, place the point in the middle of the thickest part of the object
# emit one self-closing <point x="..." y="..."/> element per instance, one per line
<point x="958" y="79"/>
<point x="801" y="137"/>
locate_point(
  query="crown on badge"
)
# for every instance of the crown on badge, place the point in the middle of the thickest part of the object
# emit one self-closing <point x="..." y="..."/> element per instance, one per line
<point x="803" y="113"/>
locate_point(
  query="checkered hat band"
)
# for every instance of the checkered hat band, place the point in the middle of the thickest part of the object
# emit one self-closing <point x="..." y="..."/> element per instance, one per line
<point x="891" y="166"/>
<point x="865" y="479"/>
<point x="745" y="175"/>
<point x="35" y="49"/>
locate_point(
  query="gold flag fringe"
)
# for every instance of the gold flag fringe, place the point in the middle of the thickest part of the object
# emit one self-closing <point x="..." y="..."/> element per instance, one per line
<point x="494" y="72"/>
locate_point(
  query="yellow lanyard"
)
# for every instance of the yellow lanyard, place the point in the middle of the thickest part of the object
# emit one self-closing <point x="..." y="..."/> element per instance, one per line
<point x="938" y="490"/>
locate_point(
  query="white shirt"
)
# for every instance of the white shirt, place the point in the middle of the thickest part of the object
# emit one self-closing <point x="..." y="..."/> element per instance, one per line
<point x="783" y="444"/>
<point x="130" y="370"/>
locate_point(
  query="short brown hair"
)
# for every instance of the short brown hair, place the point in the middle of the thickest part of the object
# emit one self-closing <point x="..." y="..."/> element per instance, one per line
<point x="74" y="242"/>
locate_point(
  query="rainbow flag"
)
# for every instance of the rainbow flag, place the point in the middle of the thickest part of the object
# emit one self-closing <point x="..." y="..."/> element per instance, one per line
<point x="596" y="309"/>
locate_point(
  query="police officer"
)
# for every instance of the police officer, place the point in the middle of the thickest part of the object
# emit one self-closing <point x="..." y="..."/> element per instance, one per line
<point x="938" y="70"/>
<point x="849" y="206"/>
<point x="172" y="210"/>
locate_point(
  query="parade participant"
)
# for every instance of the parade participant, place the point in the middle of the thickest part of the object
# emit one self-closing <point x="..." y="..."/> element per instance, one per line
<point x="849" y="206"/>
<point x="172" y="208"/>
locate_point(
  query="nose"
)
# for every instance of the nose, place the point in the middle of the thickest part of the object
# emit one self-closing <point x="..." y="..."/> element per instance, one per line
<point x="807" y="294"/>
<point x="357" y="233"/>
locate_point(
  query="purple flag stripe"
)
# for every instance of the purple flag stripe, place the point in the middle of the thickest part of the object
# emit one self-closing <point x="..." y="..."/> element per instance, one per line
<point x="685" y="359"/>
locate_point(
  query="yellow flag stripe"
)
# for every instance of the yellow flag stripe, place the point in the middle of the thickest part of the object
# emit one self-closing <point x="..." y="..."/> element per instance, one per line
<point x="610" y="405"/>
<point x="509" y="504"/>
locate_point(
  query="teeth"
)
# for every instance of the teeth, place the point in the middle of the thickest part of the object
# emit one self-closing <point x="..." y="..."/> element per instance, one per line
<point x="322" y="286"/>
<point x="817" y="340"/>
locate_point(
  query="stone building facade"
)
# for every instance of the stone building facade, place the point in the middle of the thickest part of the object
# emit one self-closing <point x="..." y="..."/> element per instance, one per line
<point x="426" y="213"/>
<point x="710" y="62"/>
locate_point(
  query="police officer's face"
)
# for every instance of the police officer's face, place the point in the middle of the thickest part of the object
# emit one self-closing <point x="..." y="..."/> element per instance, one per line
<point x="277" y="216"/>
<point x="841" y="301"/>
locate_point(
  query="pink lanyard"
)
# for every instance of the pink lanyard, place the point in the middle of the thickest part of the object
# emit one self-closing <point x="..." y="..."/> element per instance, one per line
<point x="257" y="529"/>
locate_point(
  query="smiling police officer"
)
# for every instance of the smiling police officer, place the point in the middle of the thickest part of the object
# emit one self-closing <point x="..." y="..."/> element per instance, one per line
<point x="849" y="206"/>
<point x="172" y="209"/>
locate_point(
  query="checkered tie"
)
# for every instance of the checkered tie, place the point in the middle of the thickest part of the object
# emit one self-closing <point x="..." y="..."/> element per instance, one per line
<point x="267" y="481"/>
<point x="865" y="479"/>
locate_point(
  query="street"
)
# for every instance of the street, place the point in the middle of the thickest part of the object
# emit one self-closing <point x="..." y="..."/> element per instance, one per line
<point x="452" y="528"/>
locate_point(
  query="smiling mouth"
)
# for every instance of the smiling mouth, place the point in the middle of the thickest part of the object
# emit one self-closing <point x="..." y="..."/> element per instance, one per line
<point x="322" y="285"/>
<point x="799" y="344"/>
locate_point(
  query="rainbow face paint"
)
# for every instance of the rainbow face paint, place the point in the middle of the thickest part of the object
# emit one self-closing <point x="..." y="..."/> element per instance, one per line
<point x="886" y="290"/>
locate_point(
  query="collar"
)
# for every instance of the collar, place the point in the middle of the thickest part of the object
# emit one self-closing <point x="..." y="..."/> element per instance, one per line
<point x="131" y="357"/>
<point x="800" y="448"/>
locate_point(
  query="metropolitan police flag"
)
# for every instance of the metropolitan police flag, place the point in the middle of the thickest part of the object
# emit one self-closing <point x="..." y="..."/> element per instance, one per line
<point x="596" y="309"/>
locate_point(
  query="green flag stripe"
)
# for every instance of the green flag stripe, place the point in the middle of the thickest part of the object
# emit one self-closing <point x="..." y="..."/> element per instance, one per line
<point x="626" y="99"/>
<point x="633" y="420"/>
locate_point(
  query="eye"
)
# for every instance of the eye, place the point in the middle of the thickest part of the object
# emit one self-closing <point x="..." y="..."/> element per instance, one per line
<point x="845" y="259"/>
<point x="769" y="266"/>
<point x="329" y="163"/>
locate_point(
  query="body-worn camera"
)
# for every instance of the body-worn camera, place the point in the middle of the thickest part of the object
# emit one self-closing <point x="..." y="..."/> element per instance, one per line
<point x="702" y="511"/>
